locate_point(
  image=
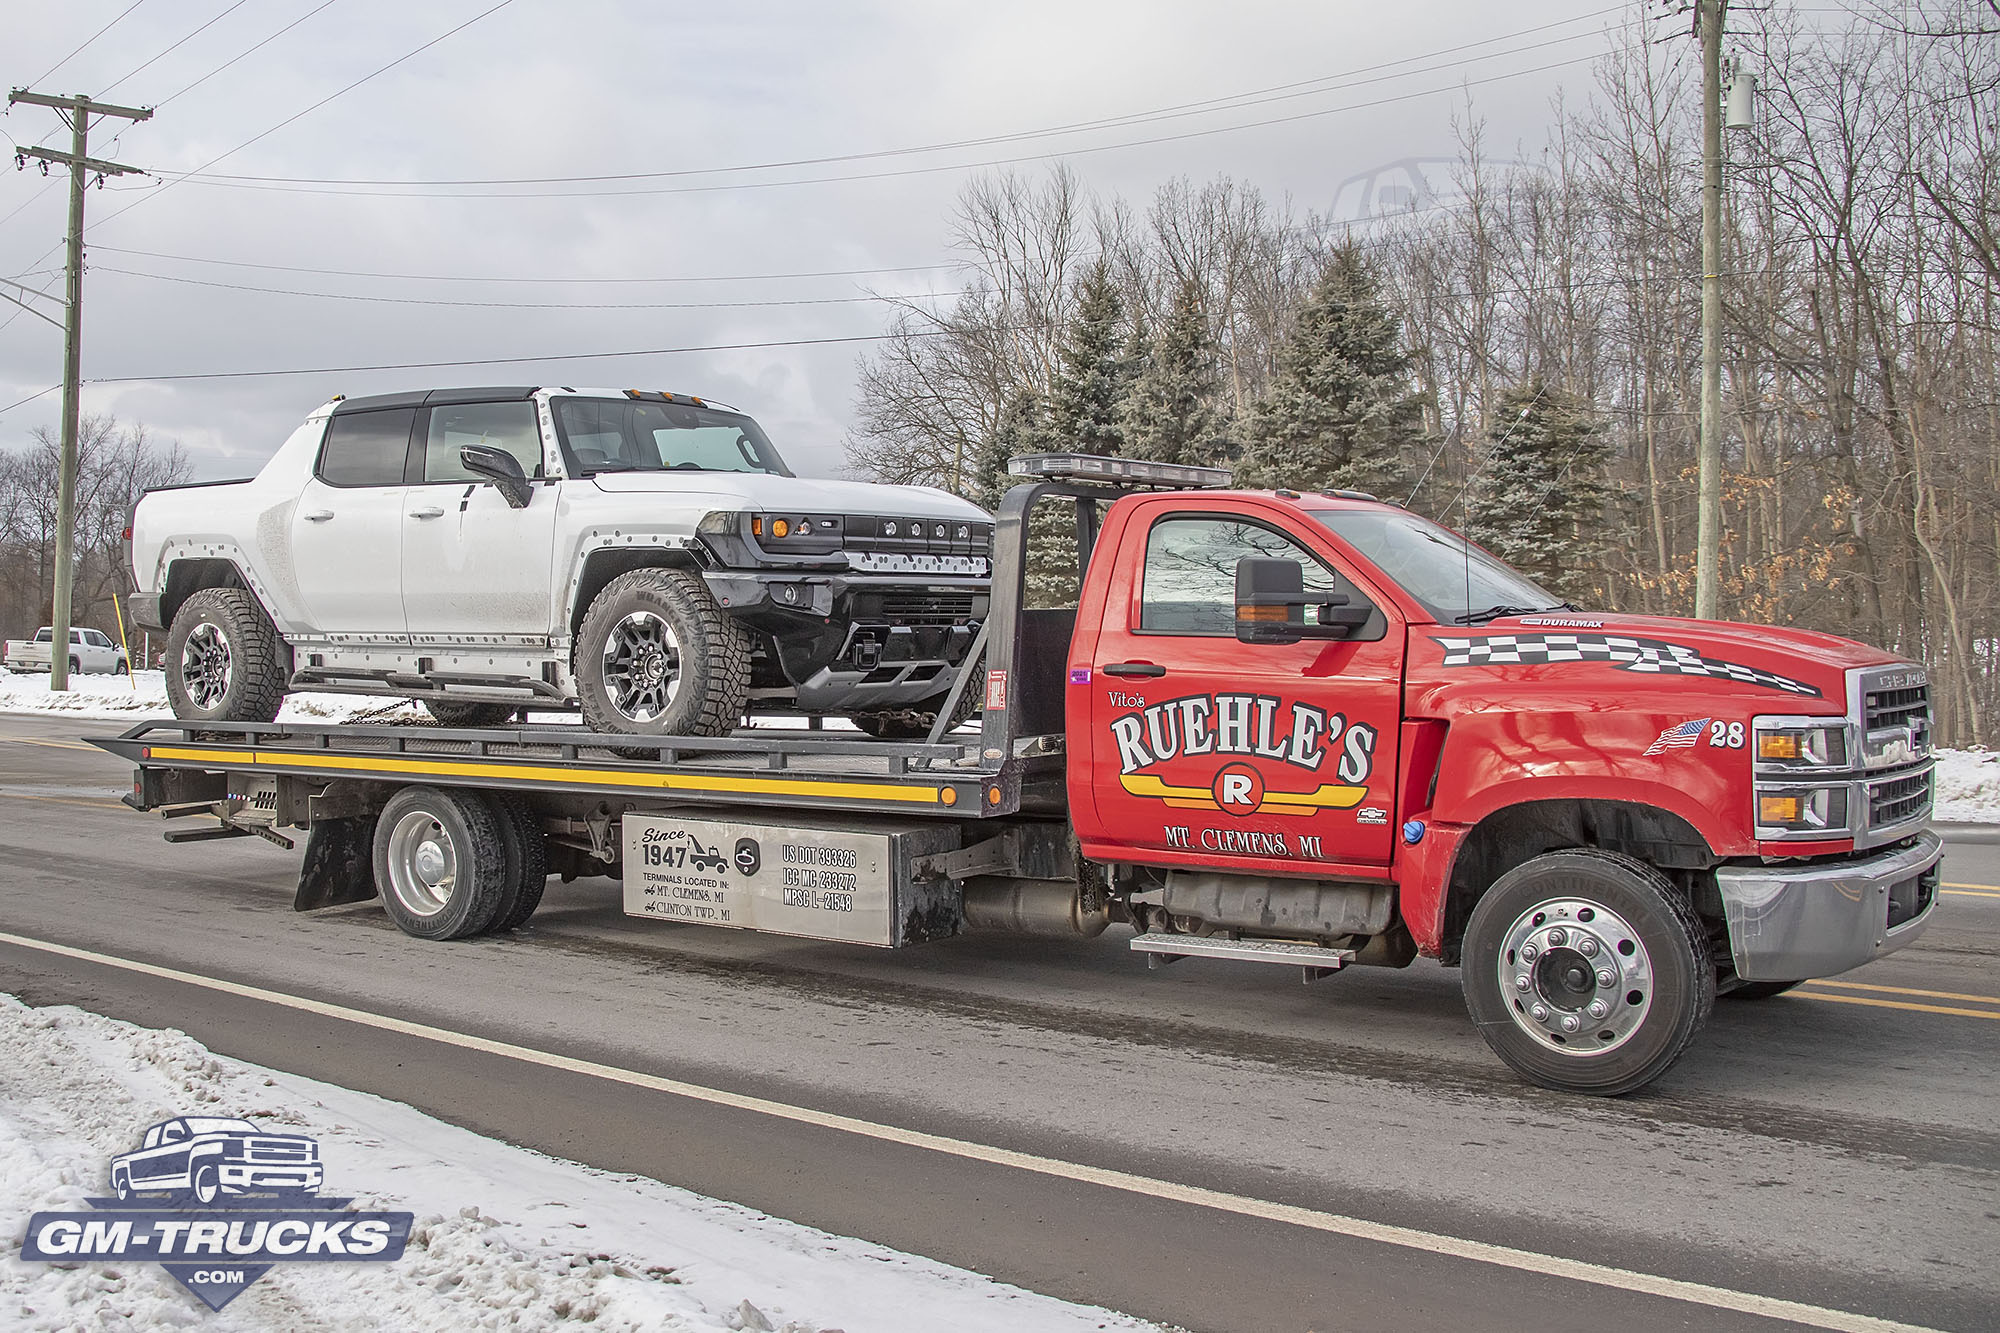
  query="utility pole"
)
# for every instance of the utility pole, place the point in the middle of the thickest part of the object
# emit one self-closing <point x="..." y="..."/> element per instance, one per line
<point x="1708" y="522"/>
<point x="77" y="111"/>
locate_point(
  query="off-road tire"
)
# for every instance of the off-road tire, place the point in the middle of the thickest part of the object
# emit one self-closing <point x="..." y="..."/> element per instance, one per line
<point x="253" y="689"/>
<point x="1756" y="990"/>
<point x="1665" y="936"/>
<point x="454" y="713"/>
<point x="527" y="850"/>
<point x="466" y="826"/>
<point x="713" y="657"/>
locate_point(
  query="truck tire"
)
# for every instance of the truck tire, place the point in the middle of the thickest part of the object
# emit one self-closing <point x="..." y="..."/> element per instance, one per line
<point x="75" y="667"/>
<point x="1586" y="972"/>
<point x="223" y="659"/>
<point x="207" y="1184"/>
<point x="527" y="850"/>
<point x="440" y="862"/>
<point x="656" y="656"/>
<point x="455" y="713"/>
<point x="1757" y="990"/>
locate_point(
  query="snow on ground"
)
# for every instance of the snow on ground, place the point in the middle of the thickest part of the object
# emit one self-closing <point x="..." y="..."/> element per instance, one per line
<point x="1968" y="786"/>
<point x="505" y="1238"/>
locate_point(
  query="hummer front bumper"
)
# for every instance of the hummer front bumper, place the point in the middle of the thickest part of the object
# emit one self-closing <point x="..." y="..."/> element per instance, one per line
<point x="1788" y="923"/>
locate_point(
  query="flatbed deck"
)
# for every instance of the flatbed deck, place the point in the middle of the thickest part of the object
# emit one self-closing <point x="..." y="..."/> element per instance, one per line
<point x="956" y="777"/>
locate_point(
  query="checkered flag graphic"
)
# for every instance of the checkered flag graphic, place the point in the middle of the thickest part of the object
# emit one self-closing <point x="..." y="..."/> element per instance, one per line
<point x="1625" y="652"/>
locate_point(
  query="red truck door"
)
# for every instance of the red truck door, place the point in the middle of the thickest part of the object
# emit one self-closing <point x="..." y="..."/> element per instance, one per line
<point x="1207" y="751"/>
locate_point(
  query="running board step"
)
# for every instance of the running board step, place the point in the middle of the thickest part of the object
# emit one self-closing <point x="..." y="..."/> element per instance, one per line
<point x="1315" y="961"/>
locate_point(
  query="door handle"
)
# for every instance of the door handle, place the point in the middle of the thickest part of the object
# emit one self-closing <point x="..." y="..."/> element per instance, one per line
<point x="1133" y="669"/>
<point x="428" y="511"/>
<point x="319" y="516"/>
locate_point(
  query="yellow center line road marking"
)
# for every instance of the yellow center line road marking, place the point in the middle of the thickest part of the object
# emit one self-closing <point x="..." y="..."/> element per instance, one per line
<point x="53" y="745"/>
<point x="1901" y="990"/>
<point x="1968" y="893"/>
<point x="1990" y="888"/>
<point x="65" y="800"/>
<point x="1409" y="1238"/>
<point x="1899" y="1004"/>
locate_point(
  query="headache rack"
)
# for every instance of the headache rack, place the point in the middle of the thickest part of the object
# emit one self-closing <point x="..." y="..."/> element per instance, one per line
<point x="1012" y="765"/>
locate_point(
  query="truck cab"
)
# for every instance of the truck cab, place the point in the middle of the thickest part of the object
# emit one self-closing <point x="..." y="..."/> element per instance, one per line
<point x="1297" y="717"/>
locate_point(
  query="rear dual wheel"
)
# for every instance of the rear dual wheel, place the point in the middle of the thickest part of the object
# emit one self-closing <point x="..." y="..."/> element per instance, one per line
<point x="452" y="863"/>
<point x="1587" y="972"/>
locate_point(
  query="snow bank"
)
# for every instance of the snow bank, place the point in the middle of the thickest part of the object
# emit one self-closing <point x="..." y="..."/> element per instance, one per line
<point x="1968" y="786"/>
<point x="505" y="1239"/>
<point x="145" y="695"/>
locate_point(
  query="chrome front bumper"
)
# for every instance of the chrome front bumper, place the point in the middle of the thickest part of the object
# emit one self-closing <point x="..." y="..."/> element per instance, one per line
<point x="1788" y="923"/>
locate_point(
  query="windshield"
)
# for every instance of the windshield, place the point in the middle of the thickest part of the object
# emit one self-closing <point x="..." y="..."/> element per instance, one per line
<point x="198" y="1124"/>
<point x="609" y="435"/>
<point x="1456" y="582"/>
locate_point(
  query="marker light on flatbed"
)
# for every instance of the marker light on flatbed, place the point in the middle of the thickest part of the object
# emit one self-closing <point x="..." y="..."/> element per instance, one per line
<point x="1129" y="471"/>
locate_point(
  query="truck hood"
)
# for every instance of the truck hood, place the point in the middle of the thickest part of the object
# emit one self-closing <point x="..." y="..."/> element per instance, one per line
<point x="1726" y="657"/>
<point x="764" y="492"/>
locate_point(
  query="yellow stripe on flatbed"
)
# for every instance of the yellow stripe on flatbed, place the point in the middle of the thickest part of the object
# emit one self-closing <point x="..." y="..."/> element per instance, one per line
<point x="682" y="782"/>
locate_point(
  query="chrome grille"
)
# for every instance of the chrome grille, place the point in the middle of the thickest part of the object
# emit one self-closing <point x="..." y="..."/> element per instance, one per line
<point x="1893" y="800"/>
<point x="1897" y="708"/>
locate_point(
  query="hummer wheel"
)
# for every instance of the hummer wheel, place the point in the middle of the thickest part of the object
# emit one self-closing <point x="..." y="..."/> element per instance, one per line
<point x="224" y="662"/>
<point x="655" y="656"/>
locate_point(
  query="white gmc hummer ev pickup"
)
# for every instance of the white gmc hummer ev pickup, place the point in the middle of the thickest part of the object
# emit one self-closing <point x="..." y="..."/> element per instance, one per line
<point x="645" y="556"/>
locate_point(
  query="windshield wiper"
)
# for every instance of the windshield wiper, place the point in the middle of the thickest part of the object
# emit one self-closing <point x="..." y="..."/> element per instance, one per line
<point x="1480" y="617"/>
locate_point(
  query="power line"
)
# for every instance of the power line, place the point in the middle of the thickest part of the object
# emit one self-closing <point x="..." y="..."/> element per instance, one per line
<point x="23" y="402"/>
<point x="408" y="55"/>
<point x="178" y="45"/>
<point x="513" y="360"/>
<point x="887" y="175"/>
<point x="444" y="277"/>
<point x="250" y="52"/>
<point x="1232" y="101"/>
<point x="86" y="42"/>
<point x="525" y="305"/>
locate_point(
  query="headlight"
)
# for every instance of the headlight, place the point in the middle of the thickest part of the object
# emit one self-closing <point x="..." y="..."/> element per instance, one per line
<point x="1797" y="810"/>
<point x="1783" y="746"/>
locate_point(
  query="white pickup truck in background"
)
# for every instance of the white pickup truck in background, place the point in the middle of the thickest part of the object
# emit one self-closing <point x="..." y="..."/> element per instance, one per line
<point x="646" y="557"/>
<point x="89" y="650"/>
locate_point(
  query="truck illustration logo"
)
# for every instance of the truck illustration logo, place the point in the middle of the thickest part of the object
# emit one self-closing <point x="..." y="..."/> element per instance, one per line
<point x="208" y="1157"/>
<point x="217" y="1201"/>
<point x="706" y="858"/>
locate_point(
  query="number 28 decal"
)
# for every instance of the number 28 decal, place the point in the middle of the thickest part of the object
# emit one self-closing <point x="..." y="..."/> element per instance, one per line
<point x="1725" y="735"/>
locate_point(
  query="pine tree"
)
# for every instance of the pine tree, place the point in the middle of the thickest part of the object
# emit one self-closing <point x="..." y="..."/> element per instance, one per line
<point x="1092" y="370"/>
<point x="1021" y="429"/>
<point x="1539" y="497"/>
<point x="1341" y="411"/>
<point x="1171" y="414"/>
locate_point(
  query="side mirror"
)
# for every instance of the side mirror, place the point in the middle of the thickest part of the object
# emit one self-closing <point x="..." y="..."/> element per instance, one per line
<point x="501" y="468"/>
<point x="1271" y="605"/>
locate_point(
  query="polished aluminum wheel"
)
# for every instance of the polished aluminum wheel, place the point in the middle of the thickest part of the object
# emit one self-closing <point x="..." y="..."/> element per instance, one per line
<point x="1578" y="976"/>
<point x="206" y="664"/>
<point x="642" y="666"/>
<point x="423" y="865"/>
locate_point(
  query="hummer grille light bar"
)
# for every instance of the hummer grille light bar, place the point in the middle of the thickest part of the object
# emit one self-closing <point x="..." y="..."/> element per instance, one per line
<point x="1129" y="471"/>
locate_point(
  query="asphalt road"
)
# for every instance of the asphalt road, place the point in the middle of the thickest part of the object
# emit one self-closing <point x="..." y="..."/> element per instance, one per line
<point x="1835" y="1146"/>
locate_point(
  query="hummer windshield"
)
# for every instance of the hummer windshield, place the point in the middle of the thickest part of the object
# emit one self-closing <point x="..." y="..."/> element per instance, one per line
<point x="1455" y="581"/>
<point x="613" y="435"/>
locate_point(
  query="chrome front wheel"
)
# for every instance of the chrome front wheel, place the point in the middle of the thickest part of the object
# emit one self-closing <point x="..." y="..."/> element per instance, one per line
<point x="1580" y="976"/>
<point x="422" y="864"/>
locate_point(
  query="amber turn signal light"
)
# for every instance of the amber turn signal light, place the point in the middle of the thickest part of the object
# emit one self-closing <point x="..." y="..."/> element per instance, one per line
<point x="1778" y="745"/>
<point x="1777" y="810"/>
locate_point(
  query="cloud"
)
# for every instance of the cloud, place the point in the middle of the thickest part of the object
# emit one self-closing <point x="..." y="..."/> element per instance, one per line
<point x="540" y="89"/>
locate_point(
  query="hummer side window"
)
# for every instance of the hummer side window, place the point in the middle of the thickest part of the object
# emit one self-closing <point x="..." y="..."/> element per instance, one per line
<point x="366" y="448"/>
<point x="508" y="426"/>
<point x="1189" y="581"/>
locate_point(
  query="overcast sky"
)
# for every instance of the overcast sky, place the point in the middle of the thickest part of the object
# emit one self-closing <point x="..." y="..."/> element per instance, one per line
<point x="546" y="88"/>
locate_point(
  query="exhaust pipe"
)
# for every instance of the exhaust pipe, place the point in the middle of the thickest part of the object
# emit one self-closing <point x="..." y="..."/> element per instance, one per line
<point x="1033" y="907"/>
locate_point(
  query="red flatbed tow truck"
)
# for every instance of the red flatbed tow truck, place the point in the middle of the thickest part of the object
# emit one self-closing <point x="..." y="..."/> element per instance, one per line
<point x="1312" y="730"/>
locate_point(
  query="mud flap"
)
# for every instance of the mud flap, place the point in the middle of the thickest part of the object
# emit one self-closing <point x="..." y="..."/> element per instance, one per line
<point x="338" y="866"/>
